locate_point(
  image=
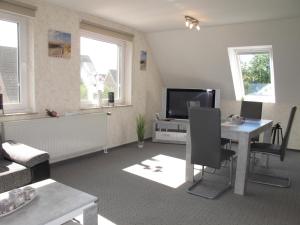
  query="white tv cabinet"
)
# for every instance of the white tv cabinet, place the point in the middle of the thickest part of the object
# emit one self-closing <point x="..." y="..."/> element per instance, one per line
<point x="170" y="131"/>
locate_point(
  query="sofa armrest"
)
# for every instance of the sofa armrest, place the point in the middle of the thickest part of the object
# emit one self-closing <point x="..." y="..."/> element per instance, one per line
<point x="24" y="154"/>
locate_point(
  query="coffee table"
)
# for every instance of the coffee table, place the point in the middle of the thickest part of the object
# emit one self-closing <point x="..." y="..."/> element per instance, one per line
<point x="55" y="204"/>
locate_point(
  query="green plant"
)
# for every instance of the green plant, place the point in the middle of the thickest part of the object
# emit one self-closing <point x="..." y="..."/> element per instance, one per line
<point x="83" y="91"/>
<point x="256" y="71"/>
<point x="140" y="127"/>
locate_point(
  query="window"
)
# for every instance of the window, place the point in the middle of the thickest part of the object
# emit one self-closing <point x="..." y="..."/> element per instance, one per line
<point x="13" y="63"/>
<point x="102" y="68"/>
<point x="253" y="73"/>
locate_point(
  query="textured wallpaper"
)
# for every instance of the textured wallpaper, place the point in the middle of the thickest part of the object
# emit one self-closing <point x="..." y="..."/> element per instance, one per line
<point x="56" y="80"/>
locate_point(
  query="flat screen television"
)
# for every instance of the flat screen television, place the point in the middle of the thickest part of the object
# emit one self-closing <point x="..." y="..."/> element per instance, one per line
<point x="177" y="101"/>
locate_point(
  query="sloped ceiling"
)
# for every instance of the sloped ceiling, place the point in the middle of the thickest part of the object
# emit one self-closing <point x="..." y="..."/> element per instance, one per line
<point x="159" y="15"/>
<point x="192" y="59"/>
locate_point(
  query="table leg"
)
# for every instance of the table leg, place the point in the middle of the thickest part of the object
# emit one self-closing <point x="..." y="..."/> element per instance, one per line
<point x="242" y="164"/>
<point x="189" y="167"/>
<point x="90" y="215"/>
<point x="266" y="139"/>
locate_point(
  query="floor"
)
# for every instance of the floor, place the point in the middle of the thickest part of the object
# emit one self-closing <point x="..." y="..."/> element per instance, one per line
<point x="146" y="187"/>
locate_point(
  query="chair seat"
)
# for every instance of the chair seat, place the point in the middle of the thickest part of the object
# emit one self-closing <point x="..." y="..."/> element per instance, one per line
<point x="265" y="148"/>
<point x="226" y="154"/>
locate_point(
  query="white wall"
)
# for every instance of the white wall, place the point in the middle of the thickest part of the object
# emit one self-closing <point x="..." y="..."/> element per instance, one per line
<point x="57" y="80"/>
<point x="200" y="59"/>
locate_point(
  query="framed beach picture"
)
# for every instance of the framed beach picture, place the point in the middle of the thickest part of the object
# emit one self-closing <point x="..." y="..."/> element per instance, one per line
<point x="143" y="60"/>
<point x="59" y="44"/>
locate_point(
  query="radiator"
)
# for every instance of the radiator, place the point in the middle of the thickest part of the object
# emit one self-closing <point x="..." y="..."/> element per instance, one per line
<point x="64" y="137"/>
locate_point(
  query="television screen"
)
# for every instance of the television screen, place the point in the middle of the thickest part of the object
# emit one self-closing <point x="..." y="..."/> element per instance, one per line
<point x="178" y="101"/>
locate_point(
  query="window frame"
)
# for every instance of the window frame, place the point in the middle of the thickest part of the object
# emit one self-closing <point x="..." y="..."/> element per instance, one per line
<point x="23" y="55"/>
<point x="236" y="71"/>
<point x="121" y="64"/>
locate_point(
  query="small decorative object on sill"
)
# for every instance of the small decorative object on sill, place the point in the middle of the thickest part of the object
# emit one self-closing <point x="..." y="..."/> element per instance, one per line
<point x="111" y="98"/>
<point x="1" y="105"/>
<point x="51" y="113"/>
<point x="140" y="130"/>
<point x="18" y="198"/>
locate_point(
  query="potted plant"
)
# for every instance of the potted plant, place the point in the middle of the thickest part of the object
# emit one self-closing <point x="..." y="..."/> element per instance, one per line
<point x="140" y="130"/>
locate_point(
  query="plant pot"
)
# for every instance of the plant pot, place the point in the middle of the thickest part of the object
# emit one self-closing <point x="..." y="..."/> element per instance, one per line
<point x="140" y="144"/>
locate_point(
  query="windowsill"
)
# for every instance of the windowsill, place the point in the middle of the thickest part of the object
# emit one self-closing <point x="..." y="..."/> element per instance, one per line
<point x="116" y="106"/>
<point x="257" y="98"/>
<point x="19" y="114"/>
<point x="106" y="106"/>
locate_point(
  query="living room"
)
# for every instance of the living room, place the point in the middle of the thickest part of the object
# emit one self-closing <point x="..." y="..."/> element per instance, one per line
<point x="148" y="50"/>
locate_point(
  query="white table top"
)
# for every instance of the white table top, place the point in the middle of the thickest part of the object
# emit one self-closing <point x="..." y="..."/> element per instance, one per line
<point x="247" y="127"/>
<point x="54" y="200"/>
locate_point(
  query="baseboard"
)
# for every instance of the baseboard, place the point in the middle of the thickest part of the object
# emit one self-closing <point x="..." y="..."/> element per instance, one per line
<point x="90" y="154"/>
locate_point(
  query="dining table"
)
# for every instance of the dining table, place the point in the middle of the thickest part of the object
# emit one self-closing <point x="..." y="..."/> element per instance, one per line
<point x="242" y="133"/>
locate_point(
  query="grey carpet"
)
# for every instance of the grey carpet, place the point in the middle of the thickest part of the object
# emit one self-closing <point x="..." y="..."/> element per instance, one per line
<point x="127" y="199"/>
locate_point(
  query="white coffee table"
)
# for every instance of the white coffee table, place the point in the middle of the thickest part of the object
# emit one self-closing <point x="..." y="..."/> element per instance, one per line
<point x="56" y="204"/>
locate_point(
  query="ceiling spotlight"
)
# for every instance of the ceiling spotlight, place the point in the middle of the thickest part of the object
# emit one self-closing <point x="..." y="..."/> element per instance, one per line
<point x="191" y="23"/>
<point x="187" y="23"/>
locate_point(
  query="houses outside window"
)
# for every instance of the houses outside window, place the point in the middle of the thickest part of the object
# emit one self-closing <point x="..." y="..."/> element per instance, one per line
<point x="253" y="73"/>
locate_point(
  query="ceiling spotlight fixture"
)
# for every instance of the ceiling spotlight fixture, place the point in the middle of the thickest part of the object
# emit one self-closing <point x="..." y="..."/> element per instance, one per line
<point x="187" y="23"/>
<point x="191" y="23"/>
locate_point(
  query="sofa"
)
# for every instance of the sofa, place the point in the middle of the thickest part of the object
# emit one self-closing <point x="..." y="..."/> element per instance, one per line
<point x="21" y="165"/>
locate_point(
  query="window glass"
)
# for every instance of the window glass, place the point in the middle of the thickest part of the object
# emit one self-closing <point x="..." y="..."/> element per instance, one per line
<point x="100" y="69"/>
<point x="9" y="65"/>
<point x="256" y="74"/>
<point x="253" y="73"/>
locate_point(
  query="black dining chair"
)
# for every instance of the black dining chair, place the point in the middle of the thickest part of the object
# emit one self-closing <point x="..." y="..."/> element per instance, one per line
<point x="206" y="150"/>
<point x="274" y="150"/>
<point x="251" y="110"/>
<point x="224" y="141"/>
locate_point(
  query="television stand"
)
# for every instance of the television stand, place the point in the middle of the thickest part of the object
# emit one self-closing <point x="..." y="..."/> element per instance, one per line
<point x="170" y="131"/>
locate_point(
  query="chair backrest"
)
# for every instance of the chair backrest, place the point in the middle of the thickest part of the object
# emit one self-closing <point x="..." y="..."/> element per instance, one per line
<point x="287" y="133"/>
<point x="251" y="110"/>
<point x="205" y="130"/>
<point x="193" y="104"/>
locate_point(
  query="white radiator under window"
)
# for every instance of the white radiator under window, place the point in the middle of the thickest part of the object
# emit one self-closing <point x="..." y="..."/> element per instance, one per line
<point x="64" y="137"/>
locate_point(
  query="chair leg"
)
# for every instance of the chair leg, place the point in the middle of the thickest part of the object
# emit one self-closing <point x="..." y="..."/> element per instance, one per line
<point x="230" y="171"/>
<point x="253" y="161"/>
<point x="286" y="180"/>
<point x="220" y="192"/>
